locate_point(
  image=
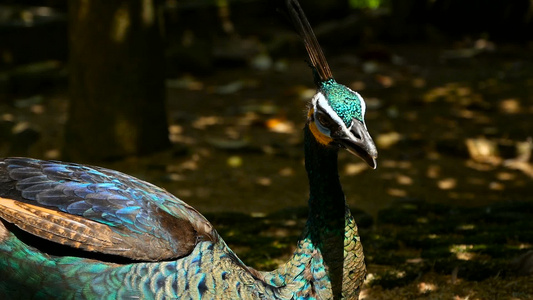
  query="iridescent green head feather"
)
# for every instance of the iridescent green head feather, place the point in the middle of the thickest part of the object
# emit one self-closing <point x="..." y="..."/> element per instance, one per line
<point x="346" y="103"/>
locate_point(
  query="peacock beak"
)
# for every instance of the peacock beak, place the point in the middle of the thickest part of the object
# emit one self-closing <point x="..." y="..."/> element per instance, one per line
<point x="360" y="143"/>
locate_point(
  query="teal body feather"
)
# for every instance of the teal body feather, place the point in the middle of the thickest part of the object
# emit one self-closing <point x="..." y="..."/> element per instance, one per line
<point x="70" y="231"/>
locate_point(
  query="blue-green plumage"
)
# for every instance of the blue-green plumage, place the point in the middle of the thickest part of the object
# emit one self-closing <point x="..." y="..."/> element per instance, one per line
<point x="210" y="269"/>
<point x="71" y="231"/>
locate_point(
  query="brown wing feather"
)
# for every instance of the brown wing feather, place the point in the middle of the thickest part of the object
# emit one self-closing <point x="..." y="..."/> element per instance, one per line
<point x="82" y="233"/>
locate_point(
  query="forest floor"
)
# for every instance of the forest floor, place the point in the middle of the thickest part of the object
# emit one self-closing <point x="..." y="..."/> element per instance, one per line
<point x="448" y="214"/>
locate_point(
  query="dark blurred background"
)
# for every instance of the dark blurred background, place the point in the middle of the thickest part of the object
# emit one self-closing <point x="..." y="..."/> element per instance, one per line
<point x="206" y="98"/>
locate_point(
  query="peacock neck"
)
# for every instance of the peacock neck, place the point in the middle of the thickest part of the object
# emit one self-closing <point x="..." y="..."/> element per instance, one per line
<point x="330" y="249"/>
<point x="327" y="208"/>
<point x="326" y="198"/>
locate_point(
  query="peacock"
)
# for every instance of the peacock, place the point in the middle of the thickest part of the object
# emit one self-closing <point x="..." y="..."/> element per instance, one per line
<point x="72" y="231"/>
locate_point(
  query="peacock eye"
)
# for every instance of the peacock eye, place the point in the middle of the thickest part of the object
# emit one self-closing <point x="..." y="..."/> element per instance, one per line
<point x="325" y="120"/>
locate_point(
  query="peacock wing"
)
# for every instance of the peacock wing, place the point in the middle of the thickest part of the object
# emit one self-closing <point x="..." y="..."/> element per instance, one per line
<point x="98" y="209"/>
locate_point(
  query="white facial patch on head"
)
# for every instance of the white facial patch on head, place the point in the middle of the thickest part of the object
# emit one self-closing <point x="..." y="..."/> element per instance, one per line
<point x="363" y="108"/>
<point x="363" y="105"/>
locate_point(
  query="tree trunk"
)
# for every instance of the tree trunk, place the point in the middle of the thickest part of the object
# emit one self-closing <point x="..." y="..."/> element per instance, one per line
<point x="117" y="90"/>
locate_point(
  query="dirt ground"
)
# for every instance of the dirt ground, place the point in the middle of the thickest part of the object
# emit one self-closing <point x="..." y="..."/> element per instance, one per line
<point x="446" y="215"/>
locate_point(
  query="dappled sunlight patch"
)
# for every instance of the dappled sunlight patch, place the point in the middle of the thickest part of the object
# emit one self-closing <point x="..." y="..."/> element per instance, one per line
<point x="422" y="220"/>
<point x="432" y="236"/>
<point x="234" y="161"/>
<point x="417" y="260"/>
<point x="404" y="180"/>
<point x="387" y="163"/>
<point x="231" y="143"/>
<point x="176" y="177"/>
<point x="204" y="121"/>
<point x="286" y="172"/>
<point x="426" y="287"/>
<point x="483" y="150"/>
<point x="468" y="252"/>
<point x="433" y="171"/>
<point x="387" y="140"/>
<point x="442" y="92"/>
<point x="248" y="119"/>
<point x="52" y="154"/>
<point x="177" y="136"/>
<point x="463" y="91"/>
<point x="524" y="246"/>
<point x="397" y="192"/>
<point x="465" y="255"/>
<point x="38" y="109"/>
<point x="20" y="127"/>
<point x="447" y="183"/>
<point x="465" y="227"/>
<point x="385" y="81"/>
<point x="121" y="24"/>
<point x="353" y="169"/>
<point x="264" y="181"/>
<point x="280" y="125"/>
<point x="190" y="164"/>
<point x="521" y="162"/>
<point x="485" y="155"/>
<point x="148" y="13"/>
<point x="175" y="129"/>
<point x="510" y="106"/>
<point x="465" y="113"/>
<point x="257" y="214"/>
<point x="7" y="117"/>
<point x="496" y="186"/>
<point x="232" y="132"/>
<point x="398" y="273"/>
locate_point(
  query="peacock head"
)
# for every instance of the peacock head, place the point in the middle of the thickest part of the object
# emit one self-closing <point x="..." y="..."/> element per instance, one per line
<point x="337" y="114"/>
<point x="336" y="118"/>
